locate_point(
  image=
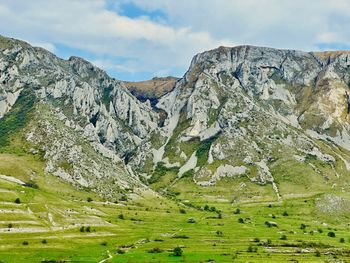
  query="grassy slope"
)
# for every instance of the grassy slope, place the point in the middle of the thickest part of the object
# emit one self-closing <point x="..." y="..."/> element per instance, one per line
<point x="154" y="219"/>
<point x="56" y="211"/>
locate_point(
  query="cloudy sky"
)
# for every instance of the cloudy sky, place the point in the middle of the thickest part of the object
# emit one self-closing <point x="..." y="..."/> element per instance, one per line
<point x="139" y="39"/>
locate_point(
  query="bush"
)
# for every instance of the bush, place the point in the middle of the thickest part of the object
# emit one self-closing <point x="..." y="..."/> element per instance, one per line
<point x="191" y="220"/>
<point x="285" y="213"/>
<point x="44" y="241"/>
<point x="252" y="249"/>
<point x="82" y="229"/>
<point x="302" y="226"/>
<point x="32" y="184"/>
<point x="182" y="211"/>
<point x="241" y="220"/>
<point x="317" y="253"/>
<point x="219" y="233"/>
<point x="178" y="252"/>
<point x="155" y="250"/>
<point x="25" y="243"/>
<point x="89" y="199"/>
<point x="237" y="211"/>
<point x="18" y="201"/>
<point x="123" y="198"/>
<point x="120" y="251"/>
<point x="104" y="243"/>
<point x="257" y="240"/>
<point x="88" y="229"/>
<point x="9" y="225"/>
<point x="206" y="208"/>
<point x="342" y="240"/>
<point x="283" y="237"/>
<point x="331" y="234"/>
<point x="121" y="216"/>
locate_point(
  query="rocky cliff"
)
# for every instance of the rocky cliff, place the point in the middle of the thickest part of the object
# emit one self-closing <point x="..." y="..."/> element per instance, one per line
<point x="277" y="118"/>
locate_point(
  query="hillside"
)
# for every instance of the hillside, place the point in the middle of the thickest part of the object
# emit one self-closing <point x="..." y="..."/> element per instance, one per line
<point x="244" y="158"/>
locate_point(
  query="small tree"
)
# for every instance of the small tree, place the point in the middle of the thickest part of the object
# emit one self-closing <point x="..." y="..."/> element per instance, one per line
<point x="25" y="243"/>
<point x="342" y="240"/>
<point x="82" y="229"/>
<point x="206" y="208"/>
<point x="10" y="225"/>
<point x="302" y="226"/>
<point x="241" y="220"/>
<point x="178" y="252"/>
<point x="18" y="201"/>
<point x="285" y="213"/>
<point x="331" y="234"/>
<point x="283" y="237"/>
<point x="88" y="229"/>
<point x="44" y="241"/>
<point x="182" y="211"/>
<point x="121" y="216"/>
<point x="237" y="211"/>
<point x="89" y="199"/>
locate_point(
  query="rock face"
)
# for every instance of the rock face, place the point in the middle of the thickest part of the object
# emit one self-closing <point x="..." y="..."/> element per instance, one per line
<point x="84" y="121"/>
<point x="257" y="111"/>
<point x="270" y="116"/>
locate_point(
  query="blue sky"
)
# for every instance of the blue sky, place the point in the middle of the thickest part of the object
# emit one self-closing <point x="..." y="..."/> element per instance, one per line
<point x="139" y="39"/>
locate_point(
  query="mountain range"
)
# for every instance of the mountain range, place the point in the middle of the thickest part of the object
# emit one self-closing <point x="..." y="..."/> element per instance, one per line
<point x="243" y="123"/>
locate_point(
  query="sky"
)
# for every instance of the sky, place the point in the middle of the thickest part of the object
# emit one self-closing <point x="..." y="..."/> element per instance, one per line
<point x="139" y="39"/>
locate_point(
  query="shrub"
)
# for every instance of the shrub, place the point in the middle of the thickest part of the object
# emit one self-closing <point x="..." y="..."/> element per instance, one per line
<point x="257" y="240"/>
<point x="206" y="208"/>
<point x="182" y="211"/>
<point x="191" y="220"/>
<point x="331" y="234"/>
<point x="237" y="211"/>
<point x="317" y="253"/>
<point x="88" y="229"/>
<point x="18" y="201"/>
<point x="89" y="199"/>
<point x="32" y="184"/>
<point x="25" y="243"/>
<point x="219" y="233"/>
<point x="121" y="216"/>
<point x="283" y="237"/>
<point x="302" y="226"/>
<point x="285" y="213"/>
<point x="252" y="249"/>
<point x="44" y="241"/>
<point x="342" y="240"/>
<point x="155" y="250"/>
<point x="120" y="251"/>
<point x="82" y="229"/>
<point x="241" y="220"/>
<point x="9" y="225"/>
<point x="104" y="243"/>
<point x="123" y="198"/>
<point x="178" y="252"/>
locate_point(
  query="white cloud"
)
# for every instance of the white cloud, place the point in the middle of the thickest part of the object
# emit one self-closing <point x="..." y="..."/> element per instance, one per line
<point x="123" y="44"/>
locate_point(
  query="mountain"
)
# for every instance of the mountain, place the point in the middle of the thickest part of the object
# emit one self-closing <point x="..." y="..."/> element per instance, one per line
<point x="249" y="151"/>
<point x="276" y="117"/>
<point x="80" y="120"/>
<point x="238" y="112"/>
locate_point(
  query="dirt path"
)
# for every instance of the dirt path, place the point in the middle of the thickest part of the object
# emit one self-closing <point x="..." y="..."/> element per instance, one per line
<point x="109" y="257"/>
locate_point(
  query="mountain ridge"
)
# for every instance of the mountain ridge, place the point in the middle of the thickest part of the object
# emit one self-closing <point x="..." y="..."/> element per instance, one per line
<point x="226" y="95"/>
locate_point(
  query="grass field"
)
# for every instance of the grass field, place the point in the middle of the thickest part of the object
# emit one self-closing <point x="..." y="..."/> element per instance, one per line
<point x="45" y="225"/>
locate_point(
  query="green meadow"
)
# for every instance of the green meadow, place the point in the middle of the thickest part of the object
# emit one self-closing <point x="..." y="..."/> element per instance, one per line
<point x="48" y="220"/>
